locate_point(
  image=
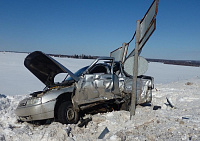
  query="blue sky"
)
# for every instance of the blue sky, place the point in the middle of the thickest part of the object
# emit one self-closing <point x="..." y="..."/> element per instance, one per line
<point x="96" y="27"/>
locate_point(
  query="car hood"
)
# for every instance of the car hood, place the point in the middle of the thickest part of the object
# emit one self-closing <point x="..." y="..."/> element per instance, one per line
<point x="45" y="68"/>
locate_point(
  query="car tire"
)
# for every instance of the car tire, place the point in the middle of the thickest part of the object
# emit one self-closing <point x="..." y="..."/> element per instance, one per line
<point x="67" y="114"/>
<point x="125" y="106"/>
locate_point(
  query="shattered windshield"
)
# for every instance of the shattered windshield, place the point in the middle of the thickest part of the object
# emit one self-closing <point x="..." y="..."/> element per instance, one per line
<point x="78" y="73"/>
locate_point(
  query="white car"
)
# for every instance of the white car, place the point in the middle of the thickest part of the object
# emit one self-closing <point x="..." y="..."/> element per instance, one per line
<point x="101" y="86"/>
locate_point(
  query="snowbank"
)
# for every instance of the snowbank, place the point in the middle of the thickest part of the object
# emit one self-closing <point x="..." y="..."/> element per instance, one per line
<point x="179" y="123"/>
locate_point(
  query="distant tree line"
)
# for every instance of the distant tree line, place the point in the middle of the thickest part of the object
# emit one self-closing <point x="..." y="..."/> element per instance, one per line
<point x="82" y="56"/>
<point x="177" y="62"/>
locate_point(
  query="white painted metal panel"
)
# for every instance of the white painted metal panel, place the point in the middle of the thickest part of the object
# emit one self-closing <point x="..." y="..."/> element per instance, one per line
<point x="147" y="35"/>
<point x="142" y="65"/>
<point x="148" y="18"/>
<point x="117" y="54"/>
<point x="120" y="53"/>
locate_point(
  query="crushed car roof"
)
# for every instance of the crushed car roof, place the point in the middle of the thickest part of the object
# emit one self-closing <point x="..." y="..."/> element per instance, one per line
<point x="45" y="68"/>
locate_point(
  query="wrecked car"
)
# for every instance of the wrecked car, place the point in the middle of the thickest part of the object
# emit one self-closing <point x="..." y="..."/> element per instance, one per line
<point x="101" y="86"/>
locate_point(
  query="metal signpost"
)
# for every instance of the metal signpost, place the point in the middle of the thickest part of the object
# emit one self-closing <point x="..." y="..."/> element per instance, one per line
<point x="144" y="30"/>
<point x="135" y="71"/>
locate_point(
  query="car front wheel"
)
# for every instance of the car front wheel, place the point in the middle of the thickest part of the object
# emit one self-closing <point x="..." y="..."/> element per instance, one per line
<point x="67" y="114"/>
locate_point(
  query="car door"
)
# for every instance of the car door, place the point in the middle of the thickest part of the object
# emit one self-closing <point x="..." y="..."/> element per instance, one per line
<point x="95" y="86"/>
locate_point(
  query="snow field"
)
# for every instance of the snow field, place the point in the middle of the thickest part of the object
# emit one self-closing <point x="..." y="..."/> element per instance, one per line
<point x="181" y="85"/>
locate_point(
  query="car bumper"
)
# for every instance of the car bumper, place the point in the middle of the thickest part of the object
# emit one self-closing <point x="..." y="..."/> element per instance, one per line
<point x="36" y="112"/>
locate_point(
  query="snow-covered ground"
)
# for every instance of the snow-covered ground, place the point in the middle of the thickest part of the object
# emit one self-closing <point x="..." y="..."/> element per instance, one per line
<point x="180" y="84"/>
<point x="15" y="79"/>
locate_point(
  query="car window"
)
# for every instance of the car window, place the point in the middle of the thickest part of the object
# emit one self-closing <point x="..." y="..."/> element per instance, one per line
<point x="78" y="73"/>
<point x="99" y="69"/>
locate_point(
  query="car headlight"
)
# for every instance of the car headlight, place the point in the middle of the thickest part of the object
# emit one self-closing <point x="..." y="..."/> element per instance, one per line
<point x="34" y="101"/>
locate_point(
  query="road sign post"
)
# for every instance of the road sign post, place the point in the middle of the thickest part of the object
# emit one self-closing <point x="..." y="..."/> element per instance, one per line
<point x="144" y="30"/>
<point x="135" y="71"/>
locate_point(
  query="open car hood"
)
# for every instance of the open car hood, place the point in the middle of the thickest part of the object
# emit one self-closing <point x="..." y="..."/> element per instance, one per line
<point x="45" y="68"/>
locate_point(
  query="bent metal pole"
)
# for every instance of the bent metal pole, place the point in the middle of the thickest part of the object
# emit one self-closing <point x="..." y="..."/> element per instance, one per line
<point x="135" y="71"/>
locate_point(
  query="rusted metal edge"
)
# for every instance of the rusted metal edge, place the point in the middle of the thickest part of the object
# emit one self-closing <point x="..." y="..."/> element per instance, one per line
<point x="153" y="22"/>
<point x="149" y="9"/>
